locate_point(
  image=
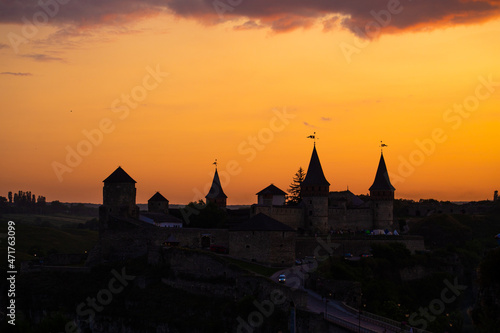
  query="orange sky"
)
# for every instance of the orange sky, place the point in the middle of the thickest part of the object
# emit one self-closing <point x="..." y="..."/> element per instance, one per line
<point x="163" y="96"/>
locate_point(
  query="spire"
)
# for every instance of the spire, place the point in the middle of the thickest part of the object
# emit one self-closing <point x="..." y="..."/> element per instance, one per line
<point x="382" y="182"/>
<point x="315" y="175"/>
<point x="216" y="190"/>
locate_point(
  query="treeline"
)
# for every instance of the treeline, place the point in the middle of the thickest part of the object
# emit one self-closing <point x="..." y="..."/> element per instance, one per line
<point x="28" y="203"/>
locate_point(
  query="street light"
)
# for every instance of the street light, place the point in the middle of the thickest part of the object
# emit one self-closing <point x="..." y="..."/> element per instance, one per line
<point x="359" y="311"/>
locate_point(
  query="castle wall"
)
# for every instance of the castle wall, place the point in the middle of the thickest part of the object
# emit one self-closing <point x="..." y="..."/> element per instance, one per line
<point x="338" y="218"/>
<point x="383" y="214"/>
<point x="197" y="264"/>
<point x="270" y="247"/>
<point x="132" y="243"/>
<point x="271" y="200"/>
<point x="353" y="219"/>
<point x="291" y="216"/>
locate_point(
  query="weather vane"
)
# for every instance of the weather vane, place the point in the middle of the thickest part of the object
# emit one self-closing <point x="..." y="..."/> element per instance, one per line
<point x="382" y="145"/>
<point x="313" y="137"/>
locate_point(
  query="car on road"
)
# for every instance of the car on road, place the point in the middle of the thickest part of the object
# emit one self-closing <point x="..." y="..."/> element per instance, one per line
<point x="347" y="255"/>
<point x="366" y="255"/>
<point x="298" y="262"/>
<point x="282" y="278"/>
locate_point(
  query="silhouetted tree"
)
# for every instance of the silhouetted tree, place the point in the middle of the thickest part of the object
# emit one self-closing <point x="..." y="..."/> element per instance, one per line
<point x="41" y="200"/>
<point x="295" y="197"/>
<point x="58" y="207"/>
<point x="203" y="215"/>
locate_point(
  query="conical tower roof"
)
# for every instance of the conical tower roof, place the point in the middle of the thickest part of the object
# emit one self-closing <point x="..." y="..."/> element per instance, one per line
<point x="119" y="176"/>
<point x="382" y="182"/>
<point x="315" y="175"/>
<point x="158" y="197"/>
<point x="216" y="190"/>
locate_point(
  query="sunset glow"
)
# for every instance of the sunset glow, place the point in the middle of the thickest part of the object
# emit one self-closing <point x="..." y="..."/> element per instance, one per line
<point x="163" y="91"/>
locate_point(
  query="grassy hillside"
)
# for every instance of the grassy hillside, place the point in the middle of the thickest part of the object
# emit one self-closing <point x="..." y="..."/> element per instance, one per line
<point x="55" y="220"/>
<point x="42" y="234"/>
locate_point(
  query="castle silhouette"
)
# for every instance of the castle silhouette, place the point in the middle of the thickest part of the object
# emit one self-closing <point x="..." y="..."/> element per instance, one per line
<point x="321" y="211"/>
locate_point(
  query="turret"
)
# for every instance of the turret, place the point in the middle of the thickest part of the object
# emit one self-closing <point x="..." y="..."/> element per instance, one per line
<point x="382" y="198"/>
<point x="158" y="204"/>
<point x="314" y="190"/>
<point x="216" y="193"/>
<point x="118" y="198"/>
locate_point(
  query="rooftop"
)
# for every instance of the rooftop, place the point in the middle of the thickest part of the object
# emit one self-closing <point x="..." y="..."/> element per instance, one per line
<point x="119" y="176"/>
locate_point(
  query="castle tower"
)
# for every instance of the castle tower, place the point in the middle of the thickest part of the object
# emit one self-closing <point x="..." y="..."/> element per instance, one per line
<point x="118" y="198"/>
<point x="158" y="204"/>
<point x="382" y="197"/>
<point x="314" y="190"/>
<point x="216" y="193"/>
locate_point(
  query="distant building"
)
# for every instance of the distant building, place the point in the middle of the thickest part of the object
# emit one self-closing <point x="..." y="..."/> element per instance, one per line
<point x="495" y="196"/>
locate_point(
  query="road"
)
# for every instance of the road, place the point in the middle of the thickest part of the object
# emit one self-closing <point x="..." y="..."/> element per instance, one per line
<point x="315" y="303"/>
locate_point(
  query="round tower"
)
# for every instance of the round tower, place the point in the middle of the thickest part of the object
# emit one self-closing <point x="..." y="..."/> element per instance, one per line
<point x="314" y="191"/>
<point x="382" y="198"/>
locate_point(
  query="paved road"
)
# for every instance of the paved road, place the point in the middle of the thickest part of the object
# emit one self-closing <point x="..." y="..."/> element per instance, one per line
<point x="315" y="303"/>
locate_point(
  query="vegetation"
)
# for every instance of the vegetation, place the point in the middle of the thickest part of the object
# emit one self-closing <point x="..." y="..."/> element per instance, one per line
<point x="59" y="294"/>
<point x="42" y="235"/>
<point x="253" y="267"/>
<point x="458" y="242"/>
<point x="201" y="215"/>
<point x="295" y="188"/>
<point x="485" y="313"/>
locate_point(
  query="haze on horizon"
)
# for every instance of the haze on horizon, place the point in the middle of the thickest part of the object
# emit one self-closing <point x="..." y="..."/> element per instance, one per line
<point x="166" y="87"/>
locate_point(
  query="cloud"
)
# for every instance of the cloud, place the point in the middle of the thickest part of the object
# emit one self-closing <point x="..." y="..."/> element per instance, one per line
<point x="16" y="74"/>
<point x="42" y="57"/>
<point x="249" y="25"/>
<point x="309" y="125"/>
<point x="326" y="118"/>
<point x="3" y="46"/>
<point x="362" y="17"/>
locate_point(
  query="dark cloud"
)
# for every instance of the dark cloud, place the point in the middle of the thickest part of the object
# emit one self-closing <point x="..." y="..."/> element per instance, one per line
<point x="42" y="57"/>
<point x="16" y="74"/>
<point x="363" y="17"/>
<point x="326" y="118"/>
<point x="3" y="46"/>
